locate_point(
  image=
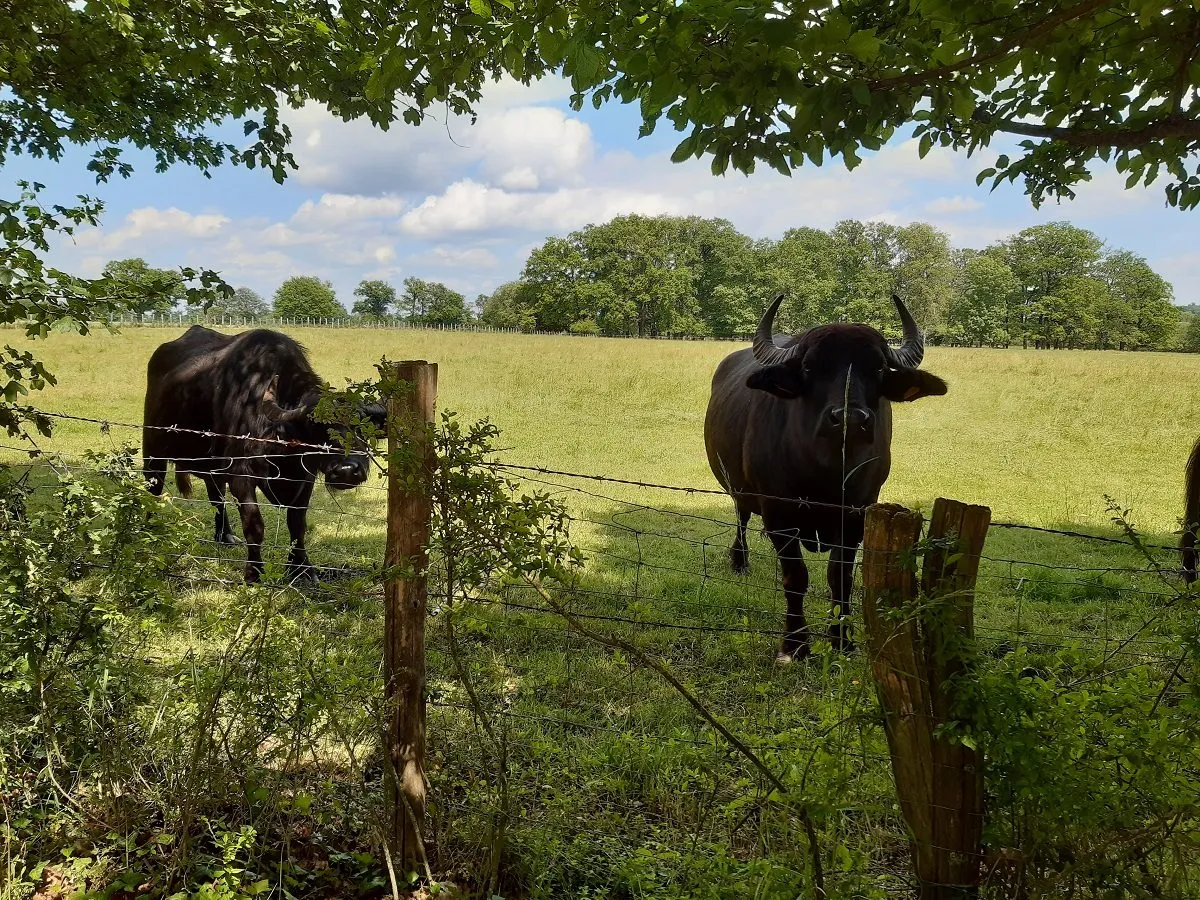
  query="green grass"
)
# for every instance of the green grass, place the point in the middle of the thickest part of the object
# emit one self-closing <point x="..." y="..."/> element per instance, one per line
<point x="609" y="758"/>
<point x="1039" y="436"/>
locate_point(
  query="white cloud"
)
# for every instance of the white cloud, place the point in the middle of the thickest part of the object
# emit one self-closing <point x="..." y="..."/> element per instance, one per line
<point x="512" y="134"/>
<point x="331" y="210"/>
<point x="520" y="179"/>
<point x="533" y="146"/>
<point x="150" y="224"/>
<point x="1183" y="272"/>
<point x="455" y="258"/>
<point x="470" y="207"/>
<point x="949" y="205"/>
<point x="282" y="235"/>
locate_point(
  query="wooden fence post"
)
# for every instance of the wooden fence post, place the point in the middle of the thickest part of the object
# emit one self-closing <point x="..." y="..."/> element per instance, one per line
<point x="957" y="532"/>
<point x="914" y="655"/>
<point x="411" y="463"/>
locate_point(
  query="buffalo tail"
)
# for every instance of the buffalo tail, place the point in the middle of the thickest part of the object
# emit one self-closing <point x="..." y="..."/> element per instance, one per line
<point x="183" y="482"/>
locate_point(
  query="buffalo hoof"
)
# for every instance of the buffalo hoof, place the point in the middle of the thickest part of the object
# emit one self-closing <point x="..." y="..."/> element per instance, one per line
<point x="304" y="574"/>
<point x="739" y="560"/>
<point x="839" y="638"/>
<point x="229" y="539"/>
<point x="786" y="657"/>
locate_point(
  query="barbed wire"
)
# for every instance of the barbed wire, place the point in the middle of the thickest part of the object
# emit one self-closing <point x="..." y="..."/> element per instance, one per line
<point x="106" y="424"/>
<point x="684" y="489"/>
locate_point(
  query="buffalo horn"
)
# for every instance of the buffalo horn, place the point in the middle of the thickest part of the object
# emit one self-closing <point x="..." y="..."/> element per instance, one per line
<point x="274" y="411"/>
<point x="766" y="351"/>
<point x="910" y="353"/>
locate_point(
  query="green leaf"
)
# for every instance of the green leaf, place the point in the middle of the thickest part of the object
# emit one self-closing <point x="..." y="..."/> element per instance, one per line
<point x="864" y="45"/>
<point x="481" y="8"/>
<point x="963" y="104"/>
<point x="685" y="149"/>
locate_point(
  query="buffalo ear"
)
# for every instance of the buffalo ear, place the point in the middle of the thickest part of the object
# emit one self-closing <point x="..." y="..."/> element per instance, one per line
<point x="904" y="384"/>
<point x="783" y="381"/>
<point x="376" y="414"/>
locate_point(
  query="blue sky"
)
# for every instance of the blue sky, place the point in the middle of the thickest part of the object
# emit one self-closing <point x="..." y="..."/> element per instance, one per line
<point x="465" y="204"/>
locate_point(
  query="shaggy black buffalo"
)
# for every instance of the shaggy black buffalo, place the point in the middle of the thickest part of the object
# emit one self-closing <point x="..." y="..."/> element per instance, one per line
<point x="257" y="384"/>
<point x="800" y="433"/>
<point x="1191" y="514"/>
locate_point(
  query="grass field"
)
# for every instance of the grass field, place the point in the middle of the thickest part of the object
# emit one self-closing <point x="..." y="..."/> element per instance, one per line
<point x="610" y="759"/>
<point x="1039" y="436"/>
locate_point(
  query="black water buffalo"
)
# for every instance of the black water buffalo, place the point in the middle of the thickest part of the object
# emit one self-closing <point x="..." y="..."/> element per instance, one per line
<point x="258" y="384"/>
<point x="800" y="433"/>
<point x="1191" y="514"/>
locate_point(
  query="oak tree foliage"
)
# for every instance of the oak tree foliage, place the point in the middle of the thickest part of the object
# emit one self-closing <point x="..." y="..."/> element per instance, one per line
<point x="307" y="297"/>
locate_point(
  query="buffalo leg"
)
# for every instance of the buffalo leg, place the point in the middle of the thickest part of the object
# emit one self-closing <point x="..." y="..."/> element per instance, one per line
<point x="739" y="555"/>
<point x="222" y="531"/>
<point x="1187" y="547"/>
<point x="841" y="583"/>
<point x="252" y="527"/>
<point x="795" y="644"/>
<point x="155" y="472"/>
<point x="298" y="566"/>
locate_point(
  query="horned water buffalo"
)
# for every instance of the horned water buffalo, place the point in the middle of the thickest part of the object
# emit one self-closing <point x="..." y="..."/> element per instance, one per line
<point x="800" y="433"/>
<point x="257" y="384"/>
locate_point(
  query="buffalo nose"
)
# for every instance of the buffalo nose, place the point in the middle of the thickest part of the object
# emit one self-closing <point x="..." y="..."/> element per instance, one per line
<point x="348" y="471"/>
<point x="854" y="417"/>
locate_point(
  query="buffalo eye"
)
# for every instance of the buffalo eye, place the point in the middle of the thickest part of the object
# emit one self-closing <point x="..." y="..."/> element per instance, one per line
<point x="783" y="381"/>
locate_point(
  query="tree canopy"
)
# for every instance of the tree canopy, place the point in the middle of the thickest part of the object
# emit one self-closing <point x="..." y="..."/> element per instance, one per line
<point x="375" y="299"/>
<point x="151" y="290"/>
<point x="432" y="303"/>
<point x="307" y="297"/>
<point x="1052" y="285"/>
<point x="1077" y="83"/>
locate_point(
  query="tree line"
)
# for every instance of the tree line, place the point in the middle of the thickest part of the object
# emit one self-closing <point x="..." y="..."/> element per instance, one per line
<point x="1049" y="286"/>
<point x="299" y="297"/>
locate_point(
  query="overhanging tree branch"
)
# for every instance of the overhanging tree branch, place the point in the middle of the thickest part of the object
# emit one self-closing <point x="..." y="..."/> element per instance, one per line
<point x="1016" y="41"/>
<point x="1170" y="128"/>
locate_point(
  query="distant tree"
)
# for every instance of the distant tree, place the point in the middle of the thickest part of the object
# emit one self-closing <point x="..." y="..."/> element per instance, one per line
<point x="508" y="306"/>
<point x="922" y="272"/>
<point x="1042" y="258"/>
<point x="247" y="304"/>
<point x="1191" y="334"/>
<point x="976" y="314"/>
<point x="862" y="256"/>
<point x="306" y="296"/>
<point x="1144" y="298"/>
<point x="244" y="303"/>
<point x="802" y="267"/>
<point x="432" y="303"/>
<point x="148" y="290"/>
<point x="375" y="299"/>
<point x="552" y="280"/>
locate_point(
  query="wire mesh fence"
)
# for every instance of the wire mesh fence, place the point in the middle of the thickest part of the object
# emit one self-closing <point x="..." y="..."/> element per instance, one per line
<point x="560" y="747"/>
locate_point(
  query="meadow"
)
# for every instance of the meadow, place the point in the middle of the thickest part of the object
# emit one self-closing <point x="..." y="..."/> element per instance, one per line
<point x="615" y="787"/>
<point x="1041" y="437"/>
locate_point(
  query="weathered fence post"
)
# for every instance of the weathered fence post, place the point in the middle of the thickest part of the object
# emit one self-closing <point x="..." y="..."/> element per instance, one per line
<point x="915" y="654"/>
<point x="411" y="463"/>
